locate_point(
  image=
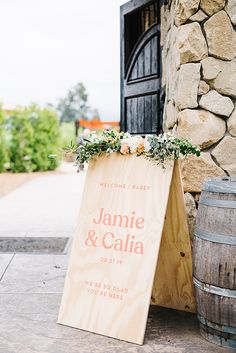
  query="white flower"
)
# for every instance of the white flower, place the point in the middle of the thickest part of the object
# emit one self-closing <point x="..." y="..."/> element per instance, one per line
<point x="93" y="137"/>
<point x="135" y="143"/>
<point x="147" y="145"/>
<point x="127" y="135"/>
<point x="131" y="143"/>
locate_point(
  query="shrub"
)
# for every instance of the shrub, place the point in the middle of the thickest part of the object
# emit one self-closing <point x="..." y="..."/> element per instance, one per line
<point x="34" y="136"/>
<point x="45" y="124"/>
<point x="21" y="143"/>
<point x="3" y="150"/>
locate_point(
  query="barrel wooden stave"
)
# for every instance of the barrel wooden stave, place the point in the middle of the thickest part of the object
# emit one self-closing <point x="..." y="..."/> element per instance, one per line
<point x="219" y="337"/>
<point x="214" y="263"/>
<point x="226" y="308"/>
<point x="216" y="219"/>
<point x="217" y="270"/>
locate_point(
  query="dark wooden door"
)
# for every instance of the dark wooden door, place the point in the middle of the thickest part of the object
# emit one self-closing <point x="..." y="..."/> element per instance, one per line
<point x="141" y="108"/>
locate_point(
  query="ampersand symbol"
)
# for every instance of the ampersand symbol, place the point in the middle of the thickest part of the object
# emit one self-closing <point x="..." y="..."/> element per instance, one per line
<point x="91" y="240"/>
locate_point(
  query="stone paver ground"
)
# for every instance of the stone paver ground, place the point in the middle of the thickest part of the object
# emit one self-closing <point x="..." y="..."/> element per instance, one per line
<point x="31" y="285"/>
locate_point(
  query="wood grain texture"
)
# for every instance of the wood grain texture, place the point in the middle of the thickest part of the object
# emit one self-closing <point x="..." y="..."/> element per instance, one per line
<point x="214" y="263"/>
<point x="140" y="74"/>
<point x="141" y="114"/>
<point x="120" y="185"/>
<point x="173" y="284"/>
<point x="218" y="220"/>
<point x="216" y="308"/>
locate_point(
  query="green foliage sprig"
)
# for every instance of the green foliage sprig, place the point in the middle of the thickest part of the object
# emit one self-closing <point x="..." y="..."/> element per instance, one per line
<point x="158" y="149"/>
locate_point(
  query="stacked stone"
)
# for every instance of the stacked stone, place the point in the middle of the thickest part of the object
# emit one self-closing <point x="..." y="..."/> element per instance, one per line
<point x="199" y="78"/>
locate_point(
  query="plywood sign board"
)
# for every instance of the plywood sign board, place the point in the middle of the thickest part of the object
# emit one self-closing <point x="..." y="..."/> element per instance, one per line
<point x="173" y="283"/>
<point x="114" y="254"/>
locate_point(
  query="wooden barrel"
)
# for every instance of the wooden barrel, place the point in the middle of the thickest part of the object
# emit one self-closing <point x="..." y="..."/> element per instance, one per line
<point x="214" y="261"/>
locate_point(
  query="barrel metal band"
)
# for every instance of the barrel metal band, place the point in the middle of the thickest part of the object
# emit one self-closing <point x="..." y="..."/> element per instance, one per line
<point x="224" y="292"/>
<point x="215" y="238"/>
<point x="222" y="328"/>
<point x="217" y="203"/>
<point x="222" y="185"/>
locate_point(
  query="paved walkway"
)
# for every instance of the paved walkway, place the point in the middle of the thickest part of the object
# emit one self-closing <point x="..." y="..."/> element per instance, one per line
<point x="31" y="285"/>
<point x="47" y="206"/>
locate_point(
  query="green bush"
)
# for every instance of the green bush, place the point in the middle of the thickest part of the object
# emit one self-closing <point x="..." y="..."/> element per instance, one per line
<point x="3" y="148"/>
<point x="46" y="138"/>
<point x="34" y="136"/>
<point x="21" y="143"/>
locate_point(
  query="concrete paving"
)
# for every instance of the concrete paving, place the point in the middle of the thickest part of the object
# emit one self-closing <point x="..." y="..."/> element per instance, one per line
<point x="47" y="206"/>
<point x="31" y="285"/>
<point x="30" y="294"/>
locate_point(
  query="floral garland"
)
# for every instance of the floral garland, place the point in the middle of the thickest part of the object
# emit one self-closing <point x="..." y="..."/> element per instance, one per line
<point x="158" y="149"/>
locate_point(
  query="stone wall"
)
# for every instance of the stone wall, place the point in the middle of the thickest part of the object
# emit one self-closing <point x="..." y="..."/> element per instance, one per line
<point x="198" y="38"/>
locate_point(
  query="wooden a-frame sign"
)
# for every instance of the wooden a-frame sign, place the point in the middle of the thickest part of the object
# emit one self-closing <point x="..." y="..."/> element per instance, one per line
<point x="131" y="244"/>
